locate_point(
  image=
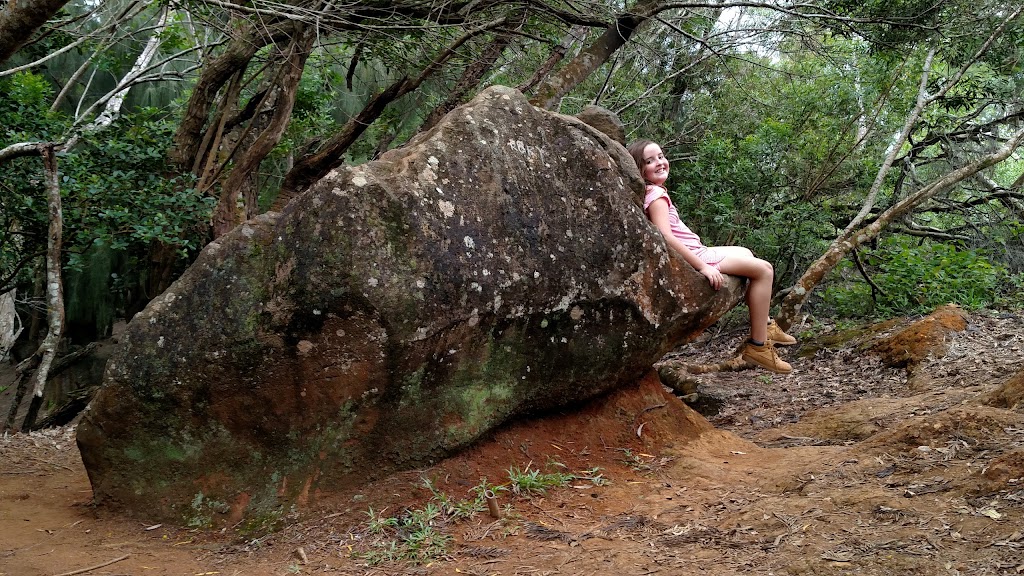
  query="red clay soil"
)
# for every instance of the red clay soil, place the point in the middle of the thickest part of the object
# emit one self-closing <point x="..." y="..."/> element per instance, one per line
<point x="928" y="337"/>
<point x="908" y="482"/>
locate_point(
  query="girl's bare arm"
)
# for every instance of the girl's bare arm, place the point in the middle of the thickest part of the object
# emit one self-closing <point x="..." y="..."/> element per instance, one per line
<point x="658" y="213"/>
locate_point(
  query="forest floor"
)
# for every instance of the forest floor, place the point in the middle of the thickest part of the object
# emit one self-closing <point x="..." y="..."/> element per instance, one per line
<point x="846" y="466"/>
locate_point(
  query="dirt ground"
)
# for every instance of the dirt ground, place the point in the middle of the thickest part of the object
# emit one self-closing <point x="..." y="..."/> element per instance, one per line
<point x="845" y="466"/>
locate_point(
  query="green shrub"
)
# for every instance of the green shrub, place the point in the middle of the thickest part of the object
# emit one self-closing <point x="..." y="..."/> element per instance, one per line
<point x="916" y="279"/>
<point x="848" y="299"/>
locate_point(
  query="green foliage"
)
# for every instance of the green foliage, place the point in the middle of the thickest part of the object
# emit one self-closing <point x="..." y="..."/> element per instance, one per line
<point x="530" y="481"/>
<point x="412" y="536"/>
<point x="914" y="278"/>
<point x="848" y="299"/>
<point x="462" y="509"/>
<point x="1011" y="296"/>
<point x="417" y="535"/>
<point x="119" y="198"/>
<point x="258" y="525"/>
<point x="25" y="115"/>
<point x="121" y="194"/>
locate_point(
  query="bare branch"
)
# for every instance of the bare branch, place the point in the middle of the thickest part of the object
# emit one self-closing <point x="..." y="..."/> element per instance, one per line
<point x="20" y="149"/>
<point x="112" y="109"/>
<point x="911" y="229"/>
<point x="793" y="302"/>
<point x="54" y="286"/>
<point x="132" y="78"/>
<point x="312" y="167"/>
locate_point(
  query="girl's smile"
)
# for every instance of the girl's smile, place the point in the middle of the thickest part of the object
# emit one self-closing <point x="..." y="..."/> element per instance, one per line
<point x="655" y="165"/>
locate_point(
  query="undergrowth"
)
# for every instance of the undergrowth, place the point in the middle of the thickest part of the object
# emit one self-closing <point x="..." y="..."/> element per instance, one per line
<point x="418" y="535"/>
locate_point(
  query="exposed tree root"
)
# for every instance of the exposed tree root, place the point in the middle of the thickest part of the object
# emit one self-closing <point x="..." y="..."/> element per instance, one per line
<point x="679" y="376"/>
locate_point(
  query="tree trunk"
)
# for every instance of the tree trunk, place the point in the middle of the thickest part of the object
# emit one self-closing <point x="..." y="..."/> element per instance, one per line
<point x="10" y="324"/>
<point x="470" y="79"/>
<point x="20" y="19"/>
<point x="43" y="356"/>
<point x="842" y="246"/>
<point x="550" y="92"/>
<point x="894" y="147"/>
<point x="244" y="44"/>
<point x="574" y="35"/>
<point x="54" y="287"/>
<point x="226" y="214"/>
<point x="112" y="110"/>
<point x="311" y="168"/>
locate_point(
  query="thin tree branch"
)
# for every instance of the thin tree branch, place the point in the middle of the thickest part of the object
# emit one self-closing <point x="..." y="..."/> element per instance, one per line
<point x="54" y="286"/>
<point x="112" y="26"/>
<point x="19" y="149"/>
<point x="867" y="277"/>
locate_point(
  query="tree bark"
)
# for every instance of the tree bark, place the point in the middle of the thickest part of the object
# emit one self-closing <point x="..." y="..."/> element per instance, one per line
<point x="20" y="19"/>
<point x="54" y="287"/>
<point x="470" y="79"/>
<point x="313" y="167"/>
<point x="575" y="35"/>
<point x="226" y="214"/>
<point x="842" y="246"/>
<point x="42" y="358"/>
<point x="10" y="324"/>
<point x="553" y="88"/>
<point x="244" y="44"/>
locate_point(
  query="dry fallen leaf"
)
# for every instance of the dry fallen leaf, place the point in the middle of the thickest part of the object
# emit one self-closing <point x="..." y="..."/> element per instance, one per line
<point x="991" y="513"/>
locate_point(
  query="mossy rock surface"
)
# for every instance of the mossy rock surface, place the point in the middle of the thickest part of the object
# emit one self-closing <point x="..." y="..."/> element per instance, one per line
<point x="496" y="266"/>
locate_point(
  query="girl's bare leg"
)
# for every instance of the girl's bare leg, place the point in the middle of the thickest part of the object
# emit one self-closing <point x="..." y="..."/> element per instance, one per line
<point x="740" y="261"/>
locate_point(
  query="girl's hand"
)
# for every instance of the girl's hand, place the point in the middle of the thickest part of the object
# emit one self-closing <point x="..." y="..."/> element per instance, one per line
<point x="714" y="276"/>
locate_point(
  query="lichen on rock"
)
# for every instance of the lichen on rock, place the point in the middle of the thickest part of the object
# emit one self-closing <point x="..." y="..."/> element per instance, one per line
<point x="495" y="266"/>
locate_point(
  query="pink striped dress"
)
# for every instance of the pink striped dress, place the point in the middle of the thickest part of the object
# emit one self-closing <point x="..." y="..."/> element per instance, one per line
<point x="682" y="231"/>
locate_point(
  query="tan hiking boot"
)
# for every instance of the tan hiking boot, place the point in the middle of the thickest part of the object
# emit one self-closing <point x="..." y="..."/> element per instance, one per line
<point x="777" y="336"/>
<point x="766" y="357"/>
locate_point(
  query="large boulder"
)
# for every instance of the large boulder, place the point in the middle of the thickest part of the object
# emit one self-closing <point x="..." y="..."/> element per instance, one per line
<point x="497" y="265"/>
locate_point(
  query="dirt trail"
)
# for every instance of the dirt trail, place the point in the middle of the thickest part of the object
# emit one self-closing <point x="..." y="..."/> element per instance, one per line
<point x="845" y="466"/>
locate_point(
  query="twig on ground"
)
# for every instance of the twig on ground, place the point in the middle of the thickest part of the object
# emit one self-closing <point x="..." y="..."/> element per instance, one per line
<point x="91" y="568"/>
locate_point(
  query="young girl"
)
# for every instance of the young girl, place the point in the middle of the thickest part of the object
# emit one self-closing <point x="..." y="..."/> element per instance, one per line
<point x="713" y="262"/>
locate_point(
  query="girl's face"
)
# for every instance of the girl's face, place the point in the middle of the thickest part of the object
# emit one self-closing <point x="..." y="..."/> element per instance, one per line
<point x="655" y="168"/>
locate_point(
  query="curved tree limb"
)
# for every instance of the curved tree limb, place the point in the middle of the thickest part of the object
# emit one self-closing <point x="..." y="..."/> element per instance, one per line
<point x="225" y="215"/>
<point x="311" y="168"/>
<point x="19" y="20"/>
<point x="793" y="302"/>
<point x="114" y="101"/>
<point x="469" y="79"/>
<point x="923" y="101"/>
<point x="551" y="90"/>
<point x="20" y="149"/>
<point x="110" y="29"/>
<point x="245" y="42"/>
